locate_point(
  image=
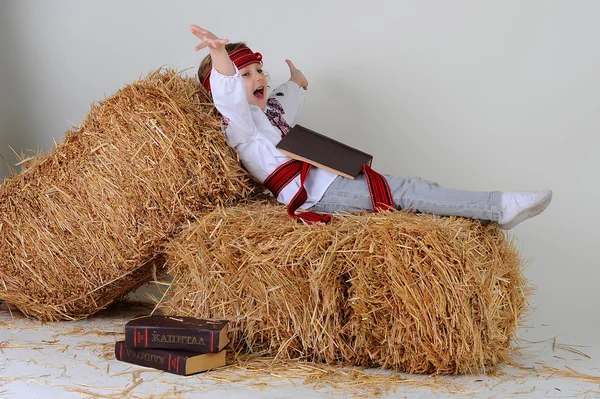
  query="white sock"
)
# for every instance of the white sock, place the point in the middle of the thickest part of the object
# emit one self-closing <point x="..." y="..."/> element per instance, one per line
<point x="517" y="207"/>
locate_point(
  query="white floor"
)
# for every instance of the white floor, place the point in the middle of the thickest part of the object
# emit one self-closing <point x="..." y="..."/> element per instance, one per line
<point x="75" y="360"/>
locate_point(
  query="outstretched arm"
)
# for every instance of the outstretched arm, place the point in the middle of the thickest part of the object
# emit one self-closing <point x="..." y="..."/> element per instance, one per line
<point x="297" y="76"/>
<point x="220" y="58"/>
<point x="289" y="95"/>
<point x="228" y="92"/>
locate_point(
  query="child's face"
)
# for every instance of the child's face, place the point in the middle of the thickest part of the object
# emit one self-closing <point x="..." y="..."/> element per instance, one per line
<point x="255" y="83"/>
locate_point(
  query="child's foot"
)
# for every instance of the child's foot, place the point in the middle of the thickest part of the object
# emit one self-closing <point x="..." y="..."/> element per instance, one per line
<point x="517" y="207"/>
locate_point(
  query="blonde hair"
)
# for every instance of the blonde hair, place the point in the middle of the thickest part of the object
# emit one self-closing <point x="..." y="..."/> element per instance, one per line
<point x="206" y="63"/>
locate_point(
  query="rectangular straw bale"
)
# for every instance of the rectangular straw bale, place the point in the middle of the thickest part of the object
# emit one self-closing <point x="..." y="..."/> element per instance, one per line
<point x="84" y="224"/>
<point x="416" y="293"/>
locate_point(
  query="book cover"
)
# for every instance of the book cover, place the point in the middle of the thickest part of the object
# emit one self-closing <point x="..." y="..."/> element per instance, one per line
<point x="176" y="362"/>
<point x="323" y="152"/>
<point x="177" y="333"/>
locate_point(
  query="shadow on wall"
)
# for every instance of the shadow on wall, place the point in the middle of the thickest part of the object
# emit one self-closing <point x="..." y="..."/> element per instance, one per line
<point x="15" y="131"/>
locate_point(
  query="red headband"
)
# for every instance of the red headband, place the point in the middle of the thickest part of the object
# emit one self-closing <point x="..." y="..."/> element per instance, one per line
<point x="241" y="57"/>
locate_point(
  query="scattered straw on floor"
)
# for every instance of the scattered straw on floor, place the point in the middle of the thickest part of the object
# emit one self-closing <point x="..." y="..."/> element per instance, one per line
<point x="415" y="293"/>
<point x="83" y="225"/>
<point x="567" y="372"/>
<point x="264" y="373"/>
<point x="352" y="381"/>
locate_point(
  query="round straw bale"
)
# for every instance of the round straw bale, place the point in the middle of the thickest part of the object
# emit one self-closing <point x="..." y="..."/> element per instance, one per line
<point x="410" y="292"/>
<point x="83" y="224"/>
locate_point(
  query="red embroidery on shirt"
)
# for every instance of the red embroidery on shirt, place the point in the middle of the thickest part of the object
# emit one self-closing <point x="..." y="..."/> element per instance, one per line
<point x="224" y="123"/>
<point x="275" y="112"/>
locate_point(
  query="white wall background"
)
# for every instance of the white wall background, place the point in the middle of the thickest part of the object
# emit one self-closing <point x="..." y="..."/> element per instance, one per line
<point x="476" y="95"/>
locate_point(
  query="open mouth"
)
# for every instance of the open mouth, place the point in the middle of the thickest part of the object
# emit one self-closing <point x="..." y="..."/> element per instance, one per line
<point x="259" y="93"/>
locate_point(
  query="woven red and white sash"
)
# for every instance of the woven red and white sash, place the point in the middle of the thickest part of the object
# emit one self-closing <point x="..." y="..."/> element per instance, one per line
<point x="379" y="189"/>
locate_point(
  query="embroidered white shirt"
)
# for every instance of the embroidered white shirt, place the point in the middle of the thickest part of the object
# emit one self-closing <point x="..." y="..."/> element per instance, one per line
<point x="250" y="132"/>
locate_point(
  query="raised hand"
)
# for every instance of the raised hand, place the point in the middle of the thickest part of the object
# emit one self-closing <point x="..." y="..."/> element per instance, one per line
<point x="209" y="39"/>
<point x="220" y="58"/>
<point x="297" y="76"/>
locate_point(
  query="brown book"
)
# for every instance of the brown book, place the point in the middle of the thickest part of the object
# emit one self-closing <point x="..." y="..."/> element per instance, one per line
<point x="177" y="333"/>
<point x="324" y="152"/>
<point x="176" y="362"/>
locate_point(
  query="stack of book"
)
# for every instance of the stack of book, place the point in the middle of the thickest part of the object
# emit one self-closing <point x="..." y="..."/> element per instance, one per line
<point x="179" y="345"/>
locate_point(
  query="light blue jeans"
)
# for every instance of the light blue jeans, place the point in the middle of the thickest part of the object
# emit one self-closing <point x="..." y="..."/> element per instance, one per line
<point x="411" y="193"/>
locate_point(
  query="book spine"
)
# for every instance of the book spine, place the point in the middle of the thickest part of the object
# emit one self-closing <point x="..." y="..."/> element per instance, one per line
<point x="200" y="341"/>
<point x="168" y="362"/>
<point x="136" y="337"/>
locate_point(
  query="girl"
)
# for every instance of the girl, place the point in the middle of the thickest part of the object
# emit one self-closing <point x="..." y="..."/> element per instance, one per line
<point x="254" y="123"/>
